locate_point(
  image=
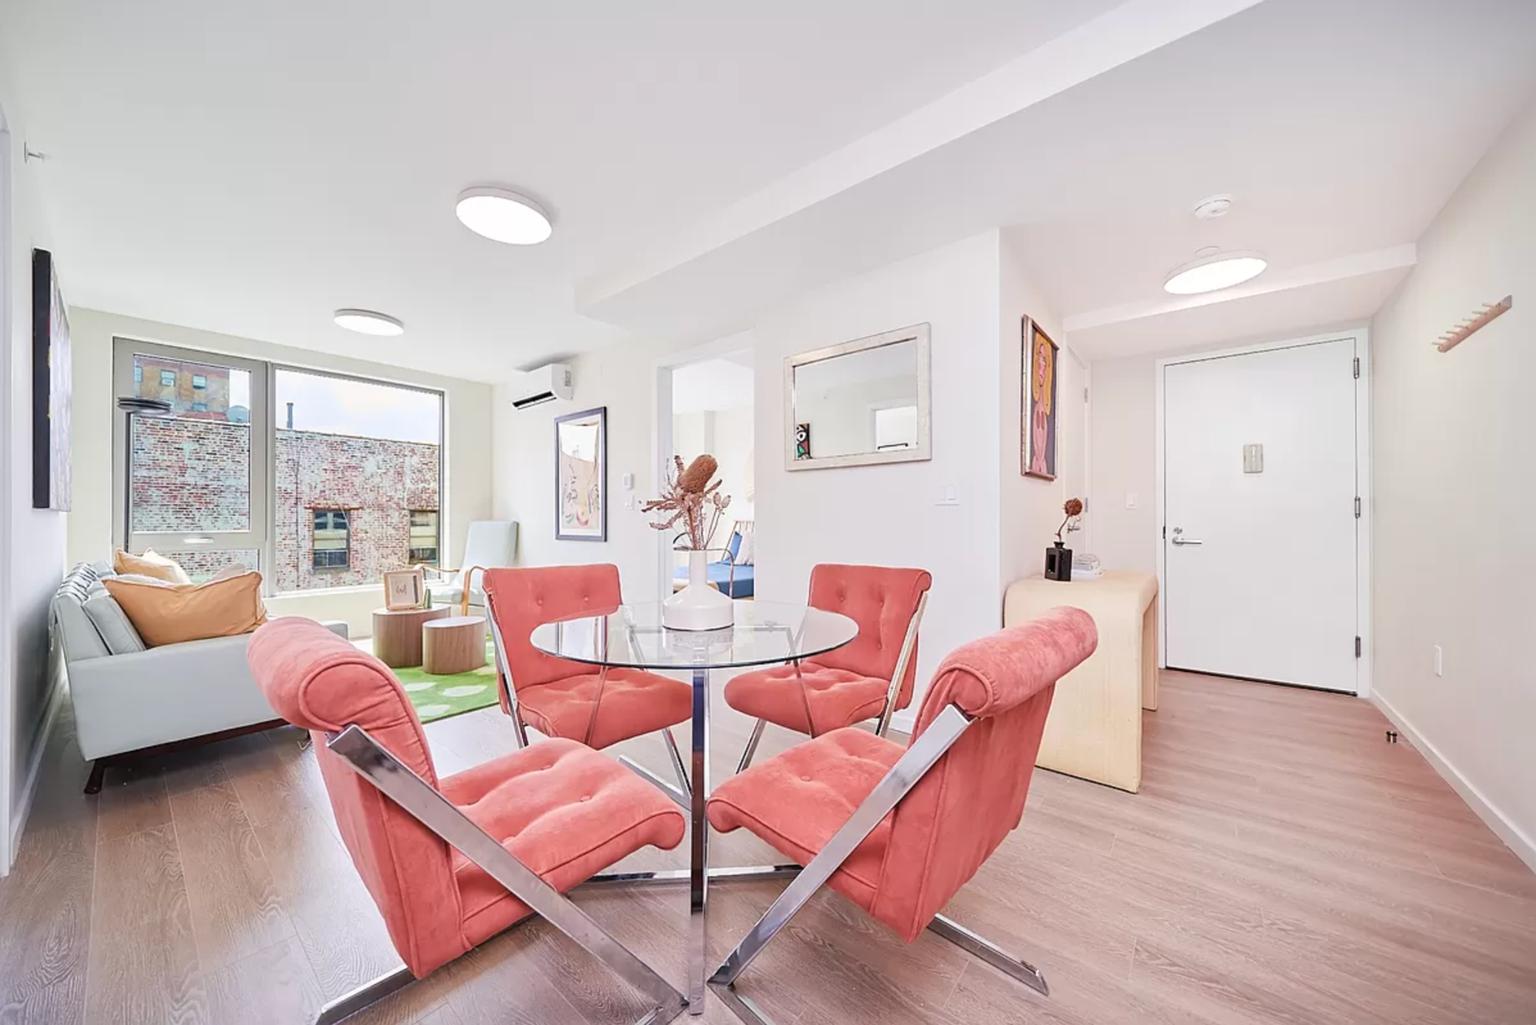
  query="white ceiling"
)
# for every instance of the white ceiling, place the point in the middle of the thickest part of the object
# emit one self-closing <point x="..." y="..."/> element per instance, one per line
<point x="250" y="169"/>
<point x="1341" y="128"/>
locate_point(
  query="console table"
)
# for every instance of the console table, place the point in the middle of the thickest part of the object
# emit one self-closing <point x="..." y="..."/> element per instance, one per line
<point x="1094" y="729"/>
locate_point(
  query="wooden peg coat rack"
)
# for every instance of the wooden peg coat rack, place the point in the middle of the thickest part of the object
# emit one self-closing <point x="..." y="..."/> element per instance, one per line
<point x="1467" y="328"/>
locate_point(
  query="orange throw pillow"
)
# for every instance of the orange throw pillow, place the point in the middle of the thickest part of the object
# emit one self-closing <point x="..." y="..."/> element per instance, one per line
<point x="150" y="564"/>
<point x="190" y="612"/>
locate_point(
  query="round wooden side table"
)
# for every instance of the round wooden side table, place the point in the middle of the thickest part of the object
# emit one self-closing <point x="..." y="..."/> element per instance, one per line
<point x="397" y="634"/>
<point x="453" y="645"/>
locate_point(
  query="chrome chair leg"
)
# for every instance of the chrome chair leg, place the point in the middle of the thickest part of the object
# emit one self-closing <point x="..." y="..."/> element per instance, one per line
<point x="678" y="797"/>
<point x="741" y="1006"/>
<point x="751" y="749"/>
<point x="504" y="677"/>
<point x="989" y="952"/>
<point x="908" y="644"/>
<point x="371" y="760"/>
<point x="925" y="751"/>
<point x="364" y="996"/>
<point x="677" y="762"/>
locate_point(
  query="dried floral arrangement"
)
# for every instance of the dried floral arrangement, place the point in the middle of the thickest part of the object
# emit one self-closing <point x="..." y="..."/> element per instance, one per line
<point x="692" y="500"/>
<point x="1073" y="507"/>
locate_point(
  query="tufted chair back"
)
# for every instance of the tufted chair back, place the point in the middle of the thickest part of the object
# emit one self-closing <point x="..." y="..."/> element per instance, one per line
<point x="974" y="795"/>
<point x="521" y="599"/>
<point x="317" y="681"/>
<point x="882" y="600"/>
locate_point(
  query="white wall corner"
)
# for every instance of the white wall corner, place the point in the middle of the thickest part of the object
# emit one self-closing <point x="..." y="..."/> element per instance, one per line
<point x="27" y="795"/>
<point x="1505" y="828"/>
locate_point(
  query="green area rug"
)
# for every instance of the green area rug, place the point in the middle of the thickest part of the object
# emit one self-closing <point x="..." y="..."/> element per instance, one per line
<point x="438" y="697"/>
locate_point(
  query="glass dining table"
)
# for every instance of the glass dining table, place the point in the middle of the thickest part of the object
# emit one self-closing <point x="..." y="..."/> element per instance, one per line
<point x="633" y="637"/>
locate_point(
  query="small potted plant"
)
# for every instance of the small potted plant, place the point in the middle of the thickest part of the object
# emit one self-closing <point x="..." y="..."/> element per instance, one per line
<point x="693" y="499"/>
<point x="1058" y="558"/>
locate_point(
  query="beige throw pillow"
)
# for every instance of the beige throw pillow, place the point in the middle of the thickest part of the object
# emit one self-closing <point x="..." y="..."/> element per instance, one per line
<point x="150" y="564"/>
<point x="190" y="612"/>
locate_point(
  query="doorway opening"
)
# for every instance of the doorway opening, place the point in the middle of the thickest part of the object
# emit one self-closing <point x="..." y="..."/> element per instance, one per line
<point x="711" y="412"/>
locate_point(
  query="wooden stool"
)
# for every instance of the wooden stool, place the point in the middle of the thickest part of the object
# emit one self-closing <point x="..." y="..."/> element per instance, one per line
<point x="453" y="645"/>
<point x="397" y="634"/>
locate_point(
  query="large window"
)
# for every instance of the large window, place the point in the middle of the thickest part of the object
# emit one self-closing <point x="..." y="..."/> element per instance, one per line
<point x="318" y="480"/>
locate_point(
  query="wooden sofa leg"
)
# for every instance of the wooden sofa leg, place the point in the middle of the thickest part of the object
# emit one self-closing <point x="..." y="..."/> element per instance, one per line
<point x="98" y="770"/>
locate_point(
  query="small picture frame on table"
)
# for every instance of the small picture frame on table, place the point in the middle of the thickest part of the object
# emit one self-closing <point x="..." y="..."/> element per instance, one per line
<point x="404" y="589"/>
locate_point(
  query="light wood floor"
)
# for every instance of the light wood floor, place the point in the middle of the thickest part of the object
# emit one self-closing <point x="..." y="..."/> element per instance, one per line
<point x="1283" y="864"/>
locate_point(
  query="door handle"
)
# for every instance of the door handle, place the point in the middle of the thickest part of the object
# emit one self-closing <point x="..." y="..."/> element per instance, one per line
<point x="1179" y="539"/>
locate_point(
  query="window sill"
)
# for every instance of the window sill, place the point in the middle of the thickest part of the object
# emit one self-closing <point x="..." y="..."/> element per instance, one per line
<point x="321" y="591"/>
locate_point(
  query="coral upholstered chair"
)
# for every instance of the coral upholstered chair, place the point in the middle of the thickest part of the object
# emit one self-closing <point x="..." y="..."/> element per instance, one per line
<point x="561" y="698"/>
<point x="870" y="678"/>
<point x="453" y="861"/>
<point x="899" y="830"/>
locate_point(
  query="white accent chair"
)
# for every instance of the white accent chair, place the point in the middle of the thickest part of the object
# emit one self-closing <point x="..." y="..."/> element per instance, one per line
<point x="488" y="544"/>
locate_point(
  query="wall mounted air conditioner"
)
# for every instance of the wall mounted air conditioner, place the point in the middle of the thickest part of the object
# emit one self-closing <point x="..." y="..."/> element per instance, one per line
<point x="543" y="385"/>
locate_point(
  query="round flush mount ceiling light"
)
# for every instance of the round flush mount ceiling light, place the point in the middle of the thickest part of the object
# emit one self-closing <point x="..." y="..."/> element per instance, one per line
<point x="503" y="215"/>
<point x="368" y="322"/>
<point x="1212" y="207"/>
<point x="1211" y="273"/>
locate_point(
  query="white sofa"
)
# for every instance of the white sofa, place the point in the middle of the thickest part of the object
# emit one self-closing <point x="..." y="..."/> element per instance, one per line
<point x="133" y="701"/>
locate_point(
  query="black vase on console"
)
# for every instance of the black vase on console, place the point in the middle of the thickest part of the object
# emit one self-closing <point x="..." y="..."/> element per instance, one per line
<point x="1058" y="562"/>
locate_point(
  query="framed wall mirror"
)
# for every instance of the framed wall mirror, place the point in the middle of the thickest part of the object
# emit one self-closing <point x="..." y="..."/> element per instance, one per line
<point x="858" y="403"/>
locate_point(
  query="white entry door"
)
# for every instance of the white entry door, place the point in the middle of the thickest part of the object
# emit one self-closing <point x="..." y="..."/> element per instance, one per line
<point x="1260" y="514"/>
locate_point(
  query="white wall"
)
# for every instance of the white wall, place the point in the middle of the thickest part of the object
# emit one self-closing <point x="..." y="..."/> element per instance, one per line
<point x="623" y="379"/>
<point x="1455" y="443"/>
<point x="892" y="514"/>
<point x="1123" y="439"/>
<point x="946" y="514"/>
<point x="468" y="461"/>
<point x="1032" y="508"/>
<point x="33" y="539"/>
<point x="727" y="435"/>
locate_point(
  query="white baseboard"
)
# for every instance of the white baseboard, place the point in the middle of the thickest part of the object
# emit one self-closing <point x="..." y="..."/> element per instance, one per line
<point x="1503" y="827"/>
<point x="34" y="770"/>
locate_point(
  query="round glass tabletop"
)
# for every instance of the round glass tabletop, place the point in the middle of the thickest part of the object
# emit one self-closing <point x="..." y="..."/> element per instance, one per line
<point x="632" y="636"/>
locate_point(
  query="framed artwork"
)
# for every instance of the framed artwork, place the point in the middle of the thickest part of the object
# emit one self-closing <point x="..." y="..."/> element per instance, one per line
<point x="1037" y="406"/>
<point x="405" y="589"/>
<point x="50" y="388"/>
<point x="581" y="475"/>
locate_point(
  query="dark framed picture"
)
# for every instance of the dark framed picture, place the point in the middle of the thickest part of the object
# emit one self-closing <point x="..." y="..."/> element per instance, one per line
<point x="50" y="388"/>
<point x="581" y="475"/>
<point x="1037" y="406"/>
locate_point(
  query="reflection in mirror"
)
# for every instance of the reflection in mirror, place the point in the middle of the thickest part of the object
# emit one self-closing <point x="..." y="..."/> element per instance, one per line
<point x="864" y="401"/>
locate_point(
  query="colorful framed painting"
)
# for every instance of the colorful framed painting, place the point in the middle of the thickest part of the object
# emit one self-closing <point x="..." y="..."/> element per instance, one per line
<point x="802" y="441"/>
<point x="1037" y="406"/>
<point x="50" y="388"/>
<point x="581" y="475"/>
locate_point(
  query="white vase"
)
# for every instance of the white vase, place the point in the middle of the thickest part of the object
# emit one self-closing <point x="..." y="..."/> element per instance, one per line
<point x="697" y="606"/>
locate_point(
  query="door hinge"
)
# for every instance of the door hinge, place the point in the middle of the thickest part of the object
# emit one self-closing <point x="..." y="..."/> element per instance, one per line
<point x="1357" y="507"/>
<point x="1357" y="645"/>
<point x="1357" y="368"/>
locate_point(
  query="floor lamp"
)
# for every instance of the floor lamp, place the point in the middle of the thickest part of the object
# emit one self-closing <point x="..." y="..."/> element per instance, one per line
<point x="131" y="406"/>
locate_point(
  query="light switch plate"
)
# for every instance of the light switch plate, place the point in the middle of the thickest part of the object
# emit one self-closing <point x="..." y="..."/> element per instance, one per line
<point x="1253" y="458"/>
